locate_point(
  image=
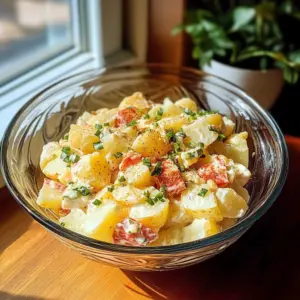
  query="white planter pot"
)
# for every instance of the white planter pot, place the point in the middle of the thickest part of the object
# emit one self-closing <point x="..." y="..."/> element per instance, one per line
<point x="263" y="86"/>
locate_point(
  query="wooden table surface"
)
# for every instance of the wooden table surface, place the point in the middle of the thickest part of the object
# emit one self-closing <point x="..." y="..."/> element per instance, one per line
<point x="263" y="264"/>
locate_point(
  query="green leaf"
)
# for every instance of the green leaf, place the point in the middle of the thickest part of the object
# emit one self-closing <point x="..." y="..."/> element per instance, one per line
<point x="196" y="52"/>
<point x="295" y="56"/>
<point x="205" y="58"/>
<point x="242" y="16"/>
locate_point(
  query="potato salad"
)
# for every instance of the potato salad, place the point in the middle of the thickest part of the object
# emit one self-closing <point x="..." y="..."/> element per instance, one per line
<point x="147" y="174"/>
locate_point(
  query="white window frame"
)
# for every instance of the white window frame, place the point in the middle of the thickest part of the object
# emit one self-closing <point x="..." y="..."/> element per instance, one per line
<point x="90" y="51"/>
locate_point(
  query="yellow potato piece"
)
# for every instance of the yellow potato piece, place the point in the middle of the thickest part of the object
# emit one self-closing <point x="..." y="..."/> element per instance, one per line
<point x="84" y="118"/>
<point x="50" y="151"/>
<point x="83" y="138"/>
<point x="201" y="206"/>
<point x="187" y="103"/>
<point x="170" y="109"/>
<point x="174" y="123"/>
<point x="199" y="229"/>
<point x="228" y="126"/>
<point x="114" y="143"/>
<point x="241" y="191"/>
<point x="137" y="100"/>
<point x="153" y="216"/>
<point x="75" y="220"/>
<point x="234" y="147"/>
<point x="177" y="215"/>
<point x="50" y="195"/>
<point x="227" y="223"/>
<point x="151" y="143"/>
<point x="128" y="195"/>
<point x="104" y="115"/>
<point x="230" y="203"/>
<point x="101" y="221"/>
<point x="138" y="175"/>
<point x="65" y="177"/>
<point x="55" y="168"/>
<point x="170" y="236"/>
<point x="113" y="161"/>
<point x="199" y="131"/>
<point x="92" y="169"/>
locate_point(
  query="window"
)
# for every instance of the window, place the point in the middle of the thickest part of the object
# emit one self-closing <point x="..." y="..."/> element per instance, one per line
<point x="44" y="40"/>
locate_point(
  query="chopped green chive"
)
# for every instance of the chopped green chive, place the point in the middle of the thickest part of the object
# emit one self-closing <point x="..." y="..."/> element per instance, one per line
<point x="132" y="123"/>
<point x="111" y="188"/>
<point x="66" y="137"/>
<point x="146" y="116"/>
<point x="176" y="147"/>
<point x="202" y="192"/>
<point x="147" y="162"/>
<point x="83" y="190"/>
<point x="98" y="146"/>
<point x="163" y="189"/>
<point x="74" y="158"/>
<point x="99" y="126"/>
<point x="118" y="154"/>
<point x="221" y="136"/>
<point x="157" y="169"/>
<point x="122" y="179"/>
<point x="63" y="224"/>
<point x="159" y="114"/>
<point x="106" y="124"/>
<point x="66" y="150"/>
<point x="171" y="135"/>
<point x="97" y="202"/>
<point x="202" y="113"/>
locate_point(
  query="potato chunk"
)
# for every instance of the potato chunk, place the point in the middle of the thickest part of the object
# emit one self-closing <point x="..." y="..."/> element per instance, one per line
<point x="50" y="151"/>
<point x="92" y="169"/>
<point x="101" y="221"/>
<point x="187" y="103"/>
<point x="83" y="138"/>
<point x="170" y="236"/>
<point x="51" y="194"/>
<point x="230" y="203"/>
<point x="55" y="168"/>
<point x="128" y="195"/>
<point x="200" y="130"/>
<point x="151" y="143"/>
<point x="170" y="109"/>
<point x="200" y="202"/>
<point x="137" y="100"/>
<point x="75" y="220"/>
<point x="138" y="175"/>
<point x="199" y="229"/>
<point x="153" y="216"/>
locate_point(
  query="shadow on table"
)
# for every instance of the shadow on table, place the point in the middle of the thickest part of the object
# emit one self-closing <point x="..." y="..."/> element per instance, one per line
<point x="8" y="296"/>
<point x="13" y="220"/>
<point x="263" y="264"/>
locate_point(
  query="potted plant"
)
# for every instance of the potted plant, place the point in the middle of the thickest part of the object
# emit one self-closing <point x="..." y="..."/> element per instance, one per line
<point x="250" y="45"/>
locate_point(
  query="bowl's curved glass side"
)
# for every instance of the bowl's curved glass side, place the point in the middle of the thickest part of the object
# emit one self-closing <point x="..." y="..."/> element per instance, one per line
<point x="50" y="114"/>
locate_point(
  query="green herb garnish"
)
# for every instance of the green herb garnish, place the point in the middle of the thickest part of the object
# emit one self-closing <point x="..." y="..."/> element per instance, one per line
<point x="159" y="114"/>
<point x="97" y="202"/>
<point x="146" y="116"/>
<point x="157" y="169"/>
<point x="176" y="147"/>
<point x="63" y="224"/>
<point x="106" y="124"/>
<point x="98" y="146"/>
<point x="83" y="190"/>
<point x="66" y="137"/>
<point x="111" y="188"/>
<point x="221" y="136"/>
<point x="118" y="154"/>
<point x="202" y="192"/>
<point x="122" y="179"/>
<point x="171" y="135"/>
<point x="132" y="123"/>
<point x="203" y="112"/>
<point x="74" y="158"/>
<point x="147" y="162"/>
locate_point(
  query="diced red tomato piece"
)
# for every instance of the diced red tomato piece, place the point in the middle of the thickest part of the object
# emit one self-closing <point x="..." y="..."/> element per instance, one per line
<point x="215" y="171"/>
<point x="131" y="158"/>
<point x="63" y="212"/>
<point x="126" y="115"/>
<point x="129" y="232"/>
<point x="171" y="178"/>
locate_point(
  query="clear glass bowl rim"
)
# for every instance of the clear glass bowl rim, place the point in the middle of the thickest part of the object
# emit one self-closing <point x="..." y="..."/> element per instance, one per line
<point x="241" y="226"/>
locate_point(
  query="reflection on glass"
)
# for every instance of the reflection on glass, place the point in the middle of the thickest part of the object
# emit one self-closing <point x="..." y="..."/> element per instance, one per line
<point x="31" y="32"/>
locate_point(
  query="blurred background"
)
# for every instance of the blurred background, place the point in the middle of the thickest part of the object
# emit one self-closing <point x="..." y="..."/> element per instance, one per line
<point x="251" y="43"/>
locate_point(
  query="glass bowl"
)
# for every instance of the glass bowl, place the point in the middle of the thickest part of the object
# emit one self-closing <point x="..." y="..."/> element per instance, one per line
<point x="47" y="117"/>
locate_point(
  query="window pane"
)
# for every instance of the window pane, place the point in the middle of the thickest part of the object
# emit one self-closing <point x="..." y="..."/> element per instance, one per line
<point x="32" y="32"/>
